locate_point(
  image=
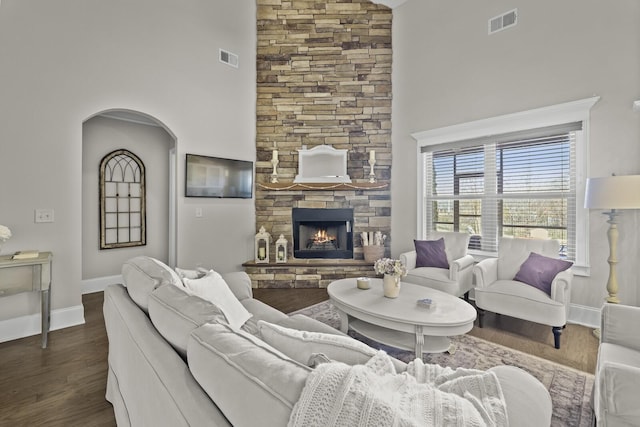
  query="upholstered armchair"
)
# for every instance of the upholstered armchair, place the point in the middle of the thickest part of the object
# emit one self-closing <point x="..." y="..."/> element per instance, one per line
<point x="453" y="275"/>
<point x="526" y="281"/>
<point x="617" y="385"/>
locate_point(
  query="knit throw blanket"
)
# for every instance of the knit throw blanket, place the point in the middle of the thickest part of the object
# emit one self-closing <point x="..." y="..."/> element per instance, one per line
<point x="373" y="394"/>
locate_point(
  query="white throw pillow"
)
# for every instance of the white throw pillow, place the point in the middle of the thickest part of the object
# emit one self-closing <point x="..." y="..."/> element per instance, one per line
<point x="212" y="287"/>
<point x="191" y="274"/>
<point x="301" y="345"/>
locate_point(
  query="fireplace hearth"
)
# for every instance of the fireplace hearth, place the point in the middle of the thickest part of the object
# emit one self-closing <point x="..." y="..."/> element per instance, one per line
<point x="322" y="233"/>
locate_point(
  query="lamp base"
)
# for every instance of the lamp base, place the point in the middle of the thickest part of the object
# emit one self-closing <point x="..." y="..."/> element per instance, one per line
<point x="612" y="237"/>
<point x="613" y="299"/>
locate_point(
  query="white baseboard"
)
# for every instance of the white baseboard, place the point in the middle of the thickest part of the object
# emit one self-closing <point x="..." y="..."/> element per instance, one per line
<point x="25" y="326"/>
<point x="98" y="284"/>
<point x="585" y="316"/>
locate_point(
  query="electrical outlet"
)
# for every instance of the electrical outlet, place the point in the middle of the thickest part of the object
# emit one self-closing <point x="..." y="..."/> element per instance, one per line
<point x="44" y="215"/>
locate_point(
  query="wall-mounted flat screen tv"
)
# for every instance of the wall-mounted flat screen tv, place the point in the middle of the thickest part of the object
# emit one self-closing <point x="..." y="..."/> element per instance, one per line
<point x="217" y="177"/>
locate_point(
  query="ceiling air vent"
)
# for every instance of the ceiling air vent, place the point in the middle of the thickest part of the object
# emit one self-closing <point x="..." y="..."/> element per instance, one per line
<point x="229" y="58"/>
<point x="504" y="21"/>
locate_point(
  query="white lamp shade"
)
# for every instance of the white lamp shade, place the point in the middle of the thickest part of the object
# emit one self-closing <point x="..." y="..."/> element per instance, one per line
<point x="613" y="192"/>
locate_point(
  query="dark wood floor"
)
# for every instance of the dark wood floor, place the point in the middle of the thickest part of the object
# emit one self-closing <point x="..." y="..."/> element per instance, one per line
<point x="64" y="384"/>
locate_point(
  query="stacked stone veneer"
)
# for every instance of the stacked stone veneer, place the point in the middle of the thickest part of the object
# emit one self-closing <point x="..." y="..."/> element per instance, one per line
<point x="323" y="77"/>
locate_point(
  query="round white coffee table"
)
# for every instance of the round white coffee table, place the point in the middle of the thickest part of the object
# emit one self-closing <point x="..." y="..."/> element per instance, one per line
<point x="400" y="322"/>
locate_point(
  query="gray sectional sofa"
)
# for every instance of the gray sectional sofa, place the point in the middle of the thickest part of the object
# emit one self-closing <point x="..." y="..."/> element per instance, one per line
<point x="174" y="361"/>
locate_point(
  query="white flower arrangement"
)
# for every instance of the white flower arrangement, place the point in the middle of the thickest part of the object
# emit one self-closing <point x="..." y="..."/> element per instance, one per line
<point x="390" y="266"/>
<point x="5" y="233"/>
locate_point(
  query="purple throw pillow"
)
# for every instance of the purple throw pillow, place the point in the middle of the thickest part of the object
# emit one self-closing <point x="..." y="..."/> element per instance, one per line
<point x="539" y="271"/>
<point x="431" y="253"/>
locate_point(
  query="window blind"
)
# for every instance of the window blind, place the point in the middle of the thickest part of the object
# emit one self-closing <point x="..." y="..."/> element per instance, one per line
<point x="519" y="185"/>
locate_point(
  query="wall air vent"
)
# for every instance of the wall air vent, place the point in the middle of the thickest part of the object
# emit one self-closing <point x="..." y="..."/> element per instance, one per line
<point x="504" y="21"/>
<point x="229" y="58"/>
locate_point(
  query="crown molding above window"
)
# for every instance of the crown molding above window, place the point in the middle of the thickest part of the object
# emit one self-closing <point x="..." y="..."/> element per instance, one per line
<point x="530" y="119"/>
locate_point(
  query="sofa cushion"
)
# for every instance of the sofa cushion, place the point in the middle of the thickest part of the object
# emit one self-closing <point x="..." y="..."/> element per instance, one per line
<point x="512" y="252"/>
<point x="455" y="243"/>
<point x="616" y="391"/>
<point x="237" y="369"/>
<point x="302" y="346"/>
<point x="617" y="354"/>
<point x="539" y="271"/>
<point x="517" y="299"/>
<point x="152" y="380"/>
<point x="260" y="311"/>
<point x="175" y="313"/>
<point x="432" y="277"/>
<point x="212" y="287"/>
<point x="240" y="284"/>
<point x="142" y="275"/>
<point x="175" y="278"/>
<point x="431" y="253"/>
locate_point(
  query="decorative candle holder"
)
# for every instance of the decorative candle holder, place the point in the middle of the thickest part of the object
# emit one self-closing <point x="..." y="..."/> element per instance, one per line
<point x="262" y="246"/>
<point x="363" y="283"/>
<point x="274" y="175"/>
<point x="372" y="176"/>
<point x="281" y="250"/>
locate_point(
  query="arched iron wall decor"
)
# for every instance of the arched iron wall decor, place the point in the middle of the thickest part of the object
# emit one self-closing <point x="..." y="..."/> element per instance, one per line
<point x="122" y="201"/>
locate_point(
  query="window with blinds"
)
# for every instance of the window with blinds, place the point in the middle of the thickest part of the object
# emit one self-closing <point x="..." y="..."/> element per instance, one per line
<point x="520" y="184"/>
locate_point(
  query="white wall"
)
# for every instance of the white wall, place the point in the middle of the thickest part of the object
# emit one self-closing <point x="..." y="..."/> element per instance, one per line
<point x="64" y="61"/>
<point x="151" y="144"/>
<point x="448" y="70"/>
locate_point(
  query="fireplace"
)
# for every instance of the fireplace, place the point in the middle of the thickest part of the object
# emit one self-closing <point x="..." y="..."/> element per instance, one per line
<point x="322" y="233"/>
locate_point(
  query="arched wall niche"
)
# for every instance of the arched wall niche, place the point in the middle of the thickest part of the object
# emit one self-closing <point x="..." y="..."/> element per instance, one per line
<point x="155" y="143"/>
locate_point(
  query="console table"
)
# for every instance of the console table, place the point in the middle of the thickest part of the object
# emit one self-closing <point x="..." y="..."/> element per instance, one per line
<point x="29" y="275"/>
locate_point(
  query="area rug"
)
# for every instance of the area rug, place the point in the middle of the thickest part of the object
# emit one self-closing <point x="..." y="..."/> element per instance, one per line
<point x="570" y="389"/>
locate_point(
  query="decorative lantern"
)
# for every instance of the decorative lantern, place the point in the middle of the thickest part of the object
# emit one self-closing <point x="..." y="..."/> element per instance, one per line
<point x="281" y="249"/>
<point x="262" y="246"/>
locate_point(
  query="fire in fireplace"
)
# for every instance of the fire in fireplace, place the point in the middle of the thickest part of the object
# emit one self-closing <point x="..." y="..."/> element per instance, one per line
<point x="322" y="240"/>
<point x="322" y="233"/>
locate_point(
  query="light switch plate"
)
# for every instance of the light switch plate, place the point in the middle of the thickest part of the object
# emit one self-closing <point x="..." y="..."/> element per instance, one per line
<point x="44" y="215"/>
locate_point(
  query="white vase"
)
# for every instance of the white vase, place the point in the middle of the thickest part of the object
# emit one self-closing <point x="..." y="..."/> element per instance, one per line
<point x="391" y="285"/>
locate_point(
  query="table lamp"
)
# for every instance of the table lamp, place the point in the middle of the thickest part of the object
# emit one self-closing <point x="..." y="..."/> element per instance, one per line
<point x="614" y="193"/>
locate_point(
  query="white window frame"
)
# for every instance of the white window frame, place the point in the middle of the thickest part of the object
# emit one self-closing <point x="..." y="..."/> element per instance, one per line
<point x="531" y="119"/>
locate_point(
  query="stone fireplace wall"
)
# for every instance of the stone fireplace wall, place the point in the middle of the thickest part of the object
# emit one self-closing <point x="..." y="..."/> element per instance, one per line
<point x="323" y="77"/>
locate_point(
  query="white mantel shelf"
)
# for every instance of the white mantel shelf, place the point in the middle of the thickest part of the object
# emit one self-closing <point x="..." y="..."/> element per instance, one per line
<point x="323" y="186"/>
